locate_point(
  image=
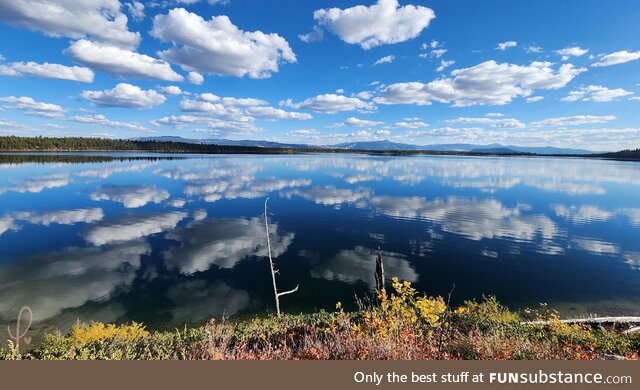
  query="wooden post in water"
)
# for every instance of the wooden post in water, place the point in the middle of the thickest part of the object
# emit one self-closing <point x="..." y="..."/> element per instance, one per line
<point x="379" y="275"/>
<point x="271" y="265"/>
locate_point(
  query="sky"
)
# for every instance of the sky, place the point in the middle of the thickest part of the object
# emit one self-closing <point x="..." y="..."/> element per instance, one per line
<point x="526" y="73"/>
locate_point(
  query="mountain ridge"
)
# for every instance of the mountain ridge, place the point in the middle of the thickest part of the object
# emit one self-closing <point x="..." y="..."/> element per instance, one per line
<point x="380" y="145"/>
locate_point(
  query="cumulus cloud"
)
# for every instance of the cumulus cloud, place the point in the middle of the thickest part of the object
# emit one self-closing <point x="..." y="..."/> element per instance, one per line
<point x="574" y="51"/>
<point x="101" y="20"/>
<point x="331" y="103"/>
<point x="316" y="35"/>
<point x="136" y="10"/>
<point x="217" y="46"/>
<point x="596" y="93"/>
<point x="121" y="62"/>
<point x="574" y="120"/>
<point x="618" y="57"/>
<point x="276" y="113"/>
<point x="195" y="78"/>
<point x="361" y="122"/>
<point x="32" y="107"/>
<point x="125" y="95"/>
<point x="102" y="120"/>
<point x="50" y="71"/>
<point x="383" y="23"/>
<point x="506" y="45"/>
<point x="131" y="196"/>
<point x="488" y="83"/>
<point x="410" y="125"/>
<point x="491" y="122"/>
<point x="385" y="60"/>
<point x="172" y="90"/>
<point x="444" y="64"/>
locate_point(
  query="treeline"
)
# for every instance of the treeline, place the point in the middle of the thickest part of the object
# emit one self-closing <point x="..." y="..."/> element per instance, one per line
<point x="81" y="144"/>
<point x="627" y="154"/>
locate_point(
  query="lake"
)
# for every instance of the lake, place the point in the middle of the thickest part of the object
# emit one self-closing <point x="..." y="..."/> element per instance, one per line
<point x="177" y="239"/>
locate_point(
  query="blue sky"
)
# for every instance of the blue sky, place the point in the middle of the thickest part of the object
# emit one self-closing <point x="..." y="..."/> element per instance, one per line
<point x="526" y="73"/>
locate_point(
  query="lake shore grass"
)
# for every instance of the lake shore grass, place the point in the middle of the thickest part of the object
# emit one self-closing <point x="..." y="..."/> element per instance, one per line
<point x="402" y="325"/>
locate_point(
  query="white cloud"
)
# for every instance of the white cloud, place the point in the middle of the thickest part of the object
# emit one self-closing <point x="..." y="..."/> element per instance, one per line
<point x="506" y="45"/>
<point x="596" y="93"/>
<point x="385" y="60"/>
<point x="444" y="64"/>
<point x="125" y="95"/>
<point x="574" y="51"/>
<point x="534" y="99"/>
<point x="534" y="49"/>
<point x="361" y="122"/>
<point x="196" y="78"/>
<point x="488" y="83"/>
<point x="619" y="57"/>
<point x="102" y="120"/>
<point x="9" y="71"/>
<point x="131" y="196"/>
<point x="100" y="19"/>
<point x="172" y="90"/>
<point x="316" y="35"/>
<point x="218" y="47"/>
<point x="121" y="62"/>
<point x="136" y="10"/>
<point x="52" y="71"/>
<point x="303" y="132"/>
<point x="574" y="120"/>
<point x="331" y="103"/>
<point x="276" y="113"/>
<point x="32" y="107"/>
<point x="380" y="24"/>
<point x="6" y="224"/>
<point x="410" y="125"/>
<point x="494" y="123"/>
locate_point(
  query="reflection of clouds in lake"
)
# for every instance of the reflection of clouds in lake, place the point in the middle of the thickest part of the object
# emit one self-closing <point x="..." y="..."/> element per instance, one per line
<point x="54" y="281"/>
<point x="222" y="242"/>
<point x="131" y="196"/>
<point x="244" y="187"/>
<point x="61" y="217"/>
<point x="200" y="299"/>
<point x="199" y="214"/>
<point x="486" y="174"/>
<point x="38" y="184"/>
<point x="132" y="226"/>
<point x="357" y="178"/>
<point x="472" y="218"/>
<point x="359" y="264"/>
<point x="112" y="169"/>
<point x="177" y="203"/>
<point x="582" y="214"/>
<point x="330" y="195"/>
<point x="595" y="246"/>
<point x="7" y="224"/>
<point x="633" y="259"/>
<point x="632" y="214"/>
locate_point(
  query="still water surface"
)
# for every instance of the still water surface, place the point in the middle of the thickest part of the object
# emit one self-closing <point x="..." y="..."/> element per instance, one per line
<point x="169" y="240"/>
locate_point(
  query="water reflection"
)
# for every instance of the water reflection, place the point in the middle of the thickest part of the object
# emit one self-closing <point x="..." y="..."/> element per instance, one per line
<point x="223" y="243"/>
<point x="174" y="240"/>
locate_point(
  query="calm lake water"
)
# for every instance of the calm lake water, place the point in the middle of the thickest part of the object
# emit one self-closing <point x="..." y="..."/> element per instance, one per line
<point x="169" y="240"/>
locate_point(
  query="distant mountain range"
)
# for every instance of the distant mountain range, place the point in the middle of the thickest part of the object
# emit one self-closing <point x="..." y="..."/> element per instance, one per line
<point x="381" y="145"/>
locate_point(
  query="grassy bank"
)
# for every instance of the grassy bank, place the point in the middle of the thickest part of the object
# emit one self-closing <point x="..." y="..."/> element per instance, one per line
<point x="403" y="325"/>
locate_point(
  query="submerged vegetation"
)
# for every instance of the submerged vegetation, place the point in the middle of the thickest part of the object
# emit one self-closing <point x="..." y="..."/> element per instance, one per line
<point x="403" y="325"/>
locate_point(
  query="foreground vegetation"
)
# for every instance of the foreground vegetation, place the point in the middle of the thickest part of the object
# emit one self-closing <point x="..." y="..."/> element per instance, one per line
<point x="403" y="325"/>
